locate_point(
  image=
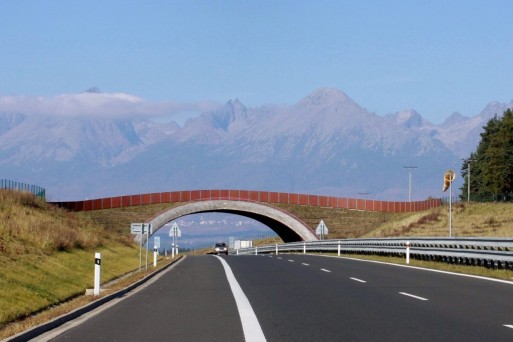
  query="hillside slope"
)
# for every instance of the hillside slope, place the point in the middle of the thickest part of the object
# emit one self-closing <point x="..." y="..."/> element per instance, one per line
<point x="468" y="220"/>
<point x="47" y="255"/>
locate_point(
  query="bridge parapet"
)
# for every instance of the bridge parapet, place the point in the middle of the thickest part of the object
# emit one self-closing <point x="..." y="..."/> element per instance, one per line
<point x="249" y="195"/>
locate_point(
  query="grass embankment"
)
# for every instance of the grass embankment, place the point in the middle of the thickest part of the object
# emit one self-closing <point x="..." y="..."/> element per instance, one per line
<point x="341" y="223"/>
<point x="47" y="255"/>
<point x="468" y="220"/>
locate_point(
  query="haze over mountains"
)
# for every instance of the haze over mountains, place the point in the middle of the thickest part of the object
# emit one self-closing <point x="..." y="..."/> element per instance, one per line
<point x="325" y="144"/>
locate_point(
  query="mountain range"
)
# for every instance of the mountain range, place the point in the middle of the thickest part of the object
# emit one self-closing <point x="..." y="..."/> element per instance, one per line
<point x="324" y="144"/>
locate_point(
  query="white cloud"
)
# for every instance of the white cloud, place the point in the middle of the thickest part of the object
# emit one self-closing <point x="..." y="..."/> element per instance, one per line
<point x="98" y="104"/>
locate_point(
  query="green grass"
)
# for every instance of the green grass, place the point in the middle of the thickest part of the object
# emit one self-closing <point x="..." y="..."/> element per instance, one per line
<point x="47" y="255"/>
<point x="34" y="282"/>
<point x="468" y="220"/>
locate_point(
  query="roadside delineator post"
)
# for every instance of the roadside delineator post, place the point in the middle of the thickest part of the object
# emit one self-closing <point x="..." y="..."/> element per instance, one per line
<point x="408" y="245"/>
<point x="304" y="247"/>
<point x="276" y="249"/>
<point x="97" y="266"/>
<point x="339" y="248"/>
<point x="256" y="250"/>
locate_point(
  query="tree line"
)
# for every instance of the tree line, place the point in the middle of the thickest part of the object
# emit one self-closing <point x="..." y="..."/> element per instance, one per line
<point x="491" y="165"/>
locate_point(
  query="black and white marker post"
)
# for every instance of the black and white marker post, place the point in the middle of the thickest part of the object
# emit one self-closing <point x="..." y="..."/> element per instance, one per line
<point x="97" y="267"/>
<point x="408" y="245"/>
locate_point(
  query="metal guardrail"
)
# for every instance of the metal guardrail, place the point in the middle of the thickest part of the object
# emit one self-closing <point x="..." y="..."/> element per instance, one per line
<point x="487" y="252"/>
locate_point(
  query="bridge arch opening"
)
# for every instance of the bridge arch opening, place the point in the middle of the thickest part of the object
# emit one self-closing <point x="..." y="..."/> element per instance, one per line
<point x="285" y="225"/>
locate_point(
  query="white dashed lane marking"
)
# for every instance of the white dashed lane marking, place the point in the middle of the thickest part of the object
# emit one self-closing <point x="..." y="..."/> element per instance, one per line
<point x="412" y="296"/>
<point x="358" y="280"/>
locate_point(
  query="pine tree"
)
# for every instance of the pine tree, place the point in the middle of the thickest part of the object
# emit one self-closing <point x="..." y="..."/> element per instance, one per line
<point x="492" y="163"/>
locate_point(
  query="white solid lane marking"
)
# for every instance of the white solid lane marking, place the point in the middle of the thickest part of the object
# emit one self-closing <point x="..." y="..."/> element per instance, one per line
<point x="325" y="270"/>
<point x="306" y="264"/>
<point x="359" y="280"/>
<point x="509" y="326"/>
<point x="250" y="325"/>
<point x="413" y="296"/>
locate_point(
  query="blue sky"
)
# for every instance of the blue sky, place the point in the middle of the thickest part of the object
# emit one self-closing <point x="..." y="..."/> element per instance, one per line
<point x="433" y="56"/>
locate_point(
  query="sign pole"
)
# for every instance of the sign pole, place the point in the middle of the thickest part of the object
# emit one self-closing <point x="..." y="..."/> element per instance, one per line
<point x="140" y="251"/>
<point x="450" y="210"/>
<point x="138" y="229"/>
<point x="173" y="245"/>
<point x="176" y="243"/>
<point x="321" y="230"/>
<point x="147" y="244"/>
<point x="449" y="177"/>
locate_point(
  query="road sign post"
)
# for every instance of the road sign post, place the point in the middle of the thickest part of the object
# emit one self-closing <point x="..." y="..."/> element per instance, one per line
<point x="147" y="242"/>
<point x="140" y="229"/>
<point x="175" y="233"/>
<point x="321" y="230"/>
<point x="449" y="177"/>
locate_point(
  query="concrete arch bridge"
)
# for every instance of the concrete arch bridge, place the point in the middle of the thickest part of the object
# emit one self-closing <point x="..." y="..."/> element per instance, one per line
<point x="292" y="216"/>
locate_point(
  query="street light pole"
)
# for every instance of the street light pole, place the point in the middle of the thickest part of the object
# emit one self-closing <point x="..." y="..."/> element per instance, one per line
<point x="410" y="168"/>
<point x="469" y="161"/>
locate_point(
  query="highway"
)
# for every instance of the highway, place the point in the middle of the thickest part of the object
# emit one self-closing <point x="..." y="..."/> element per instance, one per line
<point x="302" y="298"/>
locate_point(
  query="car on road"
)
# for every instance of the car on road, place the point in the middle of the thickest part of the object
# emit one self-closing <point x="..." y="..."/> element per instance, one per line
<point x="221" y="248"/>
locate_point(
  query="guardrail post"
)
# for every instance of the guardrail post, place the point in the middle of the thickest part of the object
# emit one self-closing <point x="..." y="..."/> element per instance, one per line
<point x="97" y="266"/>
<point x="408" y="252"/>
<point x="276" y="249"/>
<point x="338" y="248"/>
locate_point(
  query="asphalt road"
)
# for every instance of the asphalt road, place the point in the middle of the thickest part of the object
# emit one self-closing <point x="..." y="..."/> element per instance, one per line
<point x="305" y="298"/>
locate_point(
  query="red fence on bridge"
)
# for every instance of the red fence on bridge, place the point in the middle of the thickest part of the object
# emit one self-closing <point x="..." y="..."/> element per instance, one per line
<point x="247" y="195"/>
